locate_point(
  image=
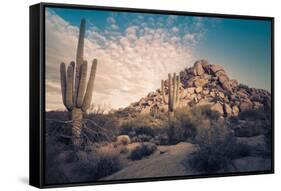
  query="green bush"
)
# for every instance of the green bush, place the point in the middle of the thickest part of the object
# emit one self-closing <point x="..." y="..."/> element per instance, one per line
<point x="143" y="150"/>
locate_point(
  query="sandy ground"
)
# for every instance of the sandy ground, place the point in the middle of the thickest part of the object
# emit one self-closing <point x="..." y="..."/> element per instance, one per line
<point x="166" y="161"/>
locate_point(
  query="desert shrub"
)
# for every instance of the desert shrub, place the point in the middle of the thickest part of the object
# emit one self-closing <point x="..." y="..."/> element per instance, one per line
<point x="184" y="126"/>
<point x="93" y="167"/>
<point x="243" y="86"/>
<point x="64" y="165"/>
<point x="142" y="138"/>
<point x="106" y="126"/>
<point x="233" y="120"/>
<point x="124" y="150"/>
<point x="123" y="139"/>
<point x="252" y="115"/>
<point x="140" y="125"/>
<point x="249" y="131"/>
<point x="143" y="150"/>
<point x="217" y="148"/>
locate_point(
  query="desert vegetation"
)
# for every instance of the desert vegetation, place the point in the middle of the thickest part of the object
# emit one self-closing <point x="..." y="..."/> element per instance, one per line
<point x="197" y="122"/>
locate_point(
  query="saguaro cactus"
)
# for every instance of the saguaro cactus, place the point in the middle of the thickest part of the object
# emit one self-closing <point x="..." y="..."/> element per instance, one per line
<point x="76" y="91"/>
<point x="173" y="93"/>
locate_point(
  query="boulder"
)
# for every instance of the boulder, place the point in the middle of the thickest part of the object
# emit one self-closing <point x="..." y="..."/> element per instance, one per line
<point x="221" y="94"/>
<point x="123" y="139"/>
<point x="190" y="90"/>
<point x="256" y="97"/>
<point x="198" y="68"/>
<point x="204" y="102"/>
<point x="233" y="83"/>
<point x="205" y="91"/>
<point x="200" y="82"/>
<point x="145" y="110"/>
<point x="213" y="94"/>
<point x="218" y="108"/>
<point x="223" y="78"/>
<point x="257" y="105"/>
<point x="242" y="94"/>
<point x="245" y="106"/>
<point x="235" y="110"/>
<point x="215" y="68"/>
<point x="226" y="86"/>
<point x="191" y="71"/>
<point x="227" y="109"/>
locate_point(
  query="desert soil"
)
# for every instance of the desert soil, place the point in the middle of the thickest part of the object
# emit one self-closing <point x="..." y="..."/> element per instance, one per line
<point x="166" y="161"/>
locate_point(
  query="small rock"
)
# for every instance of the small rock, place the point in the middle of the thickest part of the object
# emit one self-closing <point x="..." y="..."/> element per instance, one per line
<point x="221" y="94"/>
<point x="206" y="91"/>
<point x="218" y="108"/>
<point x="257" y="105"/>
<point x="198" y="89"/>
<point x="200" y="82"/>
<point x="190" y="90"/>
<point x="212" y="94"/>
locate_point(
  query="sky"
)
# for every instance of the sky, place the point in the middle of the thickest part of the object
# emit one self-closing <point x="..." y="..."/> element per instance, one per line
<point x="136" y="51"/>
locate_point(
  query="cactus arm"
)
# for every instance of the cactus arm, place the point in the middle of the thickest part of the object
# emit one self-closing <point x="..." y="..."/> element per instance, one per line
<point x="89" y="92"/>
<point x="69" y="87"/>
<point x="63" y="82"/>
<point x="174" y="92"/>
<point x="82" y="84"/>
<point x="163" y="92"/>
<point x="177" y="89"/>
<point x="170" y="92"/>
<point x="79" y="57"/>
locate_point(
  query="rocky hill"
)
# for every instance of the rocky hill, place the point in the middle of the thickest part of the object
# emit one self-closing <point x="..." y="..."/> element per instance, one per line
<point x="205" y="84"/>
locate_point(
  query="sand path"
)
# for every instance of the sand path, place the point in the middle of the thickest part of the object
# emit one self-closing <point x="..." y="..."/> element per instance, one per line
<point x="167" y="161"/>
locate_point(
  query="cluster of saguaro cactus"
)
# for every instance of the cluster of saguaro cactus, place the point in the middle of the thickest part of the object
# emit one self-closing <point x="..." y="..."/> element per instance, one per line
<point x="173" y="93"/>
<point x="76" y="91"/>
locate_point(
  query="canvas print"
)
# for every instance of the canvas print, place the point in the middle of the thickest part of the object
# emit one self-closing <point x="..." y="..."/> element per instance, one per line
<point x="133" y="95"/>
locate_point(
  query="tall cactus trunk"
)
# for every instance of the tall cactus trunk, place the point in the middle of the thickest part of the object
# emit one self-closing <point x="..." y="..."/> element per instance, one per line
<point x="173" y="100"/>
<point x="76" y="90"/>
<point x="173" y="94"/>
<point x="76" y="116"/>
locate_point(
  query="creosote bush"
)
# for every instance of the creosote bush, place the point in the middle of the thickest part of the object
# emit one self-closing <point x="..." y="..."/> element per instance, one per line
<point x="217" y="147"/>
<point x="186" y="122"/>
<point x="142" y="125"/>
<point x="63" y="164"/>
<point x="142" y="150"/>
<point x="252" y="115"/>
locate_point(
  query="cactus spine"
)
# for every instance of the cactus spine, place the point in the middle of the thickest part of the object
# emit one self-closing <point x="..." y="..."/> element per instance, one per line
<point x="173" y="93"/>
<point x="76" y="91"/>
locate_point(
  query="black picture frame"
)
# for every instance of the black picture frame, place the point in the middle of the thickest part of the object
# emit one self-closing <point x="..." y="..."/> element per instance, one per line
<point x="37" y="93"/>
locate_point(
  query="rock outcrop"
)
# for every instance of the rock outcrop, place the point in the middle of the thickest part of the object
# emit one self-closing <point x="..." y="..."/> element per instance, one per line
<point x="206" y="84"/>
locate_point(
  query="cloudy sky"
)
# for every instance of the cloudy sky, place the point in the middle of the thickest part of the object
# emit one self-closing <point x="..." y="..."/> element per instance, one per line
<point x="135" y="51"/>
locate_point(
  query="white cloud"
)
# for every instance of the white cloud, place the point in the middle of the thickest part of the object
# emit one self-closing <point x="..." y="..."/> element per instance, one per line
<point x="130" y="64"/>
<point x="175" y="29"/>
<point x="110" y="20"/>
